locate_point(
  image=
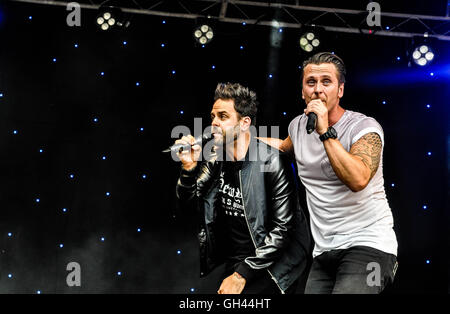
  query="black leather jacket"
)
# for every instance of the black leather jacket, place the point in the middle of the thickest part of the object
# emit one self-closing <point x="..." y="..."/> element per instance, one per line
<point x="276" y="222"/>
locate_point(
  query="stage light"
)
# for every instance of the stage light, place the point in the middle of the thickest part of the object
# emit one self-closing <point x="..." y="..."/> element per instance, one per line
<point x="309" y="41"/>
<point x="109" y="17"/>
<point x="203" y="34"/>
<point x="422" y="55"/>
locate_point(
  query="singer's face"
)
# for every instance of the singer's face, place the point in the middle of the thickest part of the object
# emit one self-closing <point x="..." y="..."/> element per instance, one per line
<point x="320" y="81"/>
<point x="224" y="122"/>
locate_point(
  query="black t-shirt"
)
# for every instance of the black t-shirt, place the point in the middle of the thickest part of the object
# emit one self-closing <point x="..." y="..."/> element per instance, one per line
<point x="236" y="237"/>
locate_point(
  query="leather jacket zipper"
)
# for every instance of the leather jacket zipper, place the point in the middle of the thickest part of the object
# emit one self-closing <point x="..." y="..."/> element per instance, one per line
<point x="251" y="233"/>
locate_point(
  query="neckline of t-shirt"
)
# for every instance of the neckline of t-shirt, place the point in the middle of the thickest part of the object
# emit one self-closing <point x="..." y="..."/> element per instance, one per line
<point x="341" y="119"/>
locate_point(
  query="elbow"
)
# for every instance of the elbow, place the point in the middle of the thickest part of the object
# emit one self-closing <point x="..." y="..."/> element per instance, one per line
<point x="359" y="185"/>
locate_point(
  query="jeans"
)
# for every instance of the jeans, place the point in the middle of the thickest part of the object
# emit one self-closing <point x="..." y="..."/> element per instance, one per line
<point x="359" y="269"/>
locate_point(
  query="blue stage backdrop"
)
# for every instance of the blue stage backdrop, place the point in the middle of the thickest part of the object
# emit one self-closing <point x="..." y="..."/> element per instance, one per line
<point x="85" y="114"/>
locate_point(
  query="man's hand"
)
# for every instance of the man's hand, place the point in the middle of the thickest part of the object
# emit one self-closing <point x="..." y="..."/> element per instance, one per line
<point x="319" y="108"/>
<point x="233" y="284"/>
<point x="189" y="157"/>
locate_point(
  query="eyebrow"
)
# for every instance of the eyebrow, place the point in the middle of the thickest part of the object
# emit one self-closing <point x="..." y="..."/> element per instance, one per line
<point x="220" y="112"/>
<point x="323" y="76"/>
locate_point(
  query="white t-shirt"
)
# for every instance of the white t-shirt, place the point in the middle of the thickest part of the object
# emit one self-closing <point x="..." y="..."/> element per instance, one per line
<point x="341" y="218"/>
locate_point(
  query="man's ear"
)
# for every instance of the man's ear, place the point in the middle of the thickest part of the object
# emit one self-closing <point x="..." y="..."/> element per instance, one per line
<point x="341" y="90"/>
<point x="245" y="123"/>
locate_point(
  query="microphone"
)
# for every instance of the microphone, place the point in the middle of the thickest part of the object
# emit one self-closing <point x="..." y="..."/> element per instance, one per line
<point x="311" y="124"/>
<point x="199" y="140"/>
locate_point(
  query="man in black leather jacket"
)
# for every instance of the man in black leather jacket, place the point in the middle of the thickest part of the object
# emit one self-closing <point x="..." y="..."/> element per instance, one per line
<point x="251" y="218"/>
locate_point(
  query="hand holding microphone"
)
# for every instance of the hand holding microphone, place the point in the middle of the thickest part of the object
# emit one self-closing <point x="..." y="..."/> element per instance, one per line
<point x="190" y="156"/>
<point x="317" y="113"/>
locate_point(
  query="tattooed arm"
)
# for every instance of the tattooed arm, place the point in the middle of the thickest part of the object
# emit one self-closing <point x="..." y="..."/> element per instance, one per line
<point x="357" y="167"/>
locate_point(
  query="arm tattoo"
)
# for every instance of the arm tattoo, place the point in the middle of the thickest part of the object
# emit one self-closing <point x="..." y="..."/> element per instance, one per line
<point x="368" y="148"/>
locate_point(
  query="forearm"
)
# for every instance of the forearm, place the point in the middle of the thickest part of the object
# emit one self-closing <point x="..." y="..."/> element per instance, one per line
<point x="274" y="142"/>
<point x="350" y="169"/>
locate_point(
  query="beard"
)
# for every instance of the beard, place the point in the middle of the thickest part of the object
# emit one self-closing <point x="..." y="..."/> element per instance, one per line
<point x="227" y="136"/>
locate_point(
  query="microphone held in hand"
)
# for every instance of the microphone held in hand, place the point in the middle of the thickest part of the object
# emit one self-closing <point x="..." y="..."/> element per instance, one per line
<point x="200" y="140"/>
<point x="311" y="123"/>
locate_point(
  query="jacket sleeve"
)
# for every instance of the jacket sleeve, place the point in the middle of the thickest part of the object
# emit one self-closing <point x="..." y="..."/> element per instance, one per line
<point x="194" y="182"/>
<point x="187" y="184"/>
<point x="282" y="202"/>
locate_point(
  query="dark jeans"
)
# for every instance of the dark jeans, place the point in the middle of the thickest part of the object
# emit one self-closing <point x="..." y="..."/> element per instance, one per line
<point x="359" y="269"/>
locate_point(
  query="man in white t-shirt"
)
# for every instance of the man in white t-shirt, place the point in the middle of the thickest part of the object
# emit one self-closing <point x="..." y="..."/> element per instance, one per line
<point x="341" y="166"/>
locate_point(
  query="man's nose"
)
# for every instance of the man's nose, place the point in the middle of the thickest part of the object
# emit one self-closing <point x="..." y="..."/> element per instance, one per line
<point x="215" y="122"/>
<point x="318" y="88"/>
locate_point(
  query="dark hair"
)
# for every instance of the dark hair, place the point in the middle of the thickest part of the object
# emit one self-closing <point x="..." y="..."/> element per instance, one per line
<point x="245" y="102"/>
<point x="327" y="57"/>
